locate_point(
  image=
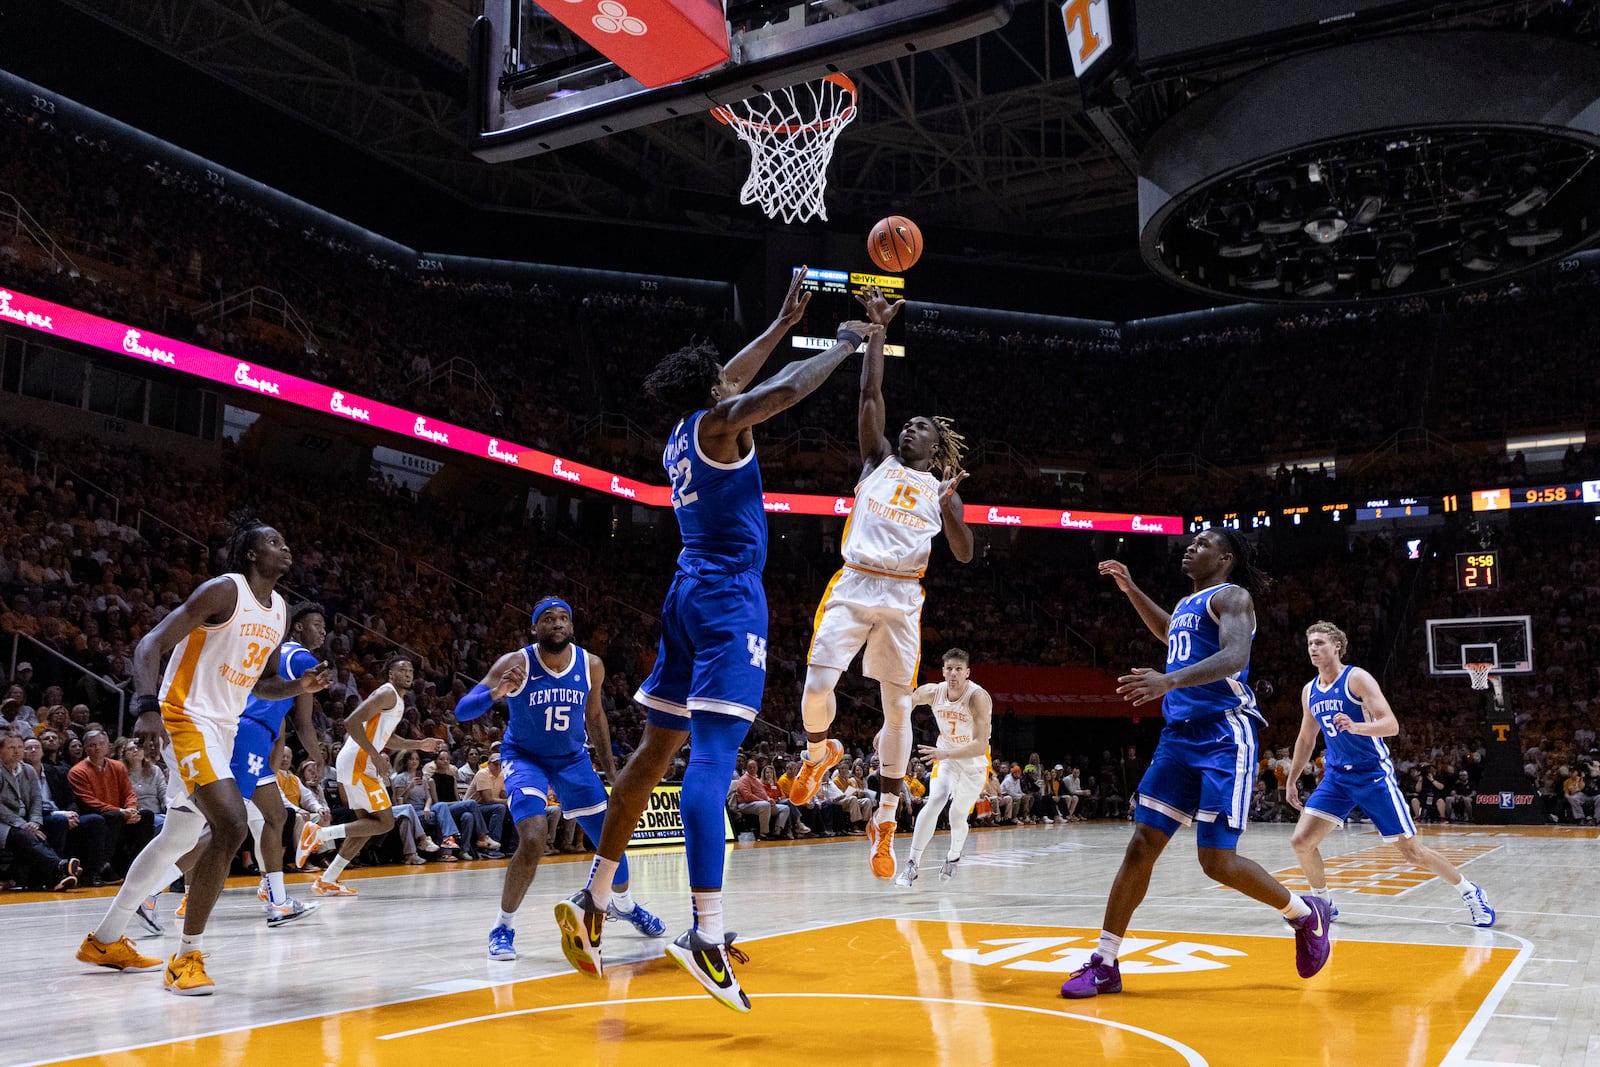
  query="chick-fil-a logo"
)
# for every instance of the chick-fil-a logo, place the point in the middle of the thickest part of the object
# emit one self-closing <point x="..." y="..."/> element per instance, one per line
<point x="842" y="505"/>
<point x="776" y="505"/>
<point x="496" y="452"/>
<point x="339" y="407"/>
<point x="27" y="318"/>
<point x="420" y="428"/>
<point x="1070" y="523"/>
<point x="242" y="375"/>
<point x="131" y="345"/>
<point x="999" y="518"/>
<point x="561" y="472"/>
<point x="621" y="490"/>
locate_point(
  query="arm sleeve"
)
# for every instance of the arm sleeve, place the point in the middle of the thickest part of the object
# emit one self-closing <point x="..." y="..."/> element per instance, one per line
<point x="474" y="704"/>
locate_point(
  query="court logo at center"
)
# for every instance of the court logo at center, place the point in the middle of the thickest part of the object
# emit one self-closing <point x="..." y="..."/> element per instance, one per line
<point x="1063" y="955"/>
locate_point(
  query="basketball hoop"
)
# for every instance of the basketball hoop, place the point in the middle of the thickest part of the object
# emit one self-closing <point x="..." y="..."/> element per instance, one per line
<point x="1479" y="673"/>
<point x="791" y="133"/>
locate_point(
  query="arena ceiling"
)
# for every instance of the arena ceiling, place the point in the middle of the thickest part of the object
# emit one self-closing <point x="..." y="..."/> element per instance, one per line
<point x="361" y="106"/>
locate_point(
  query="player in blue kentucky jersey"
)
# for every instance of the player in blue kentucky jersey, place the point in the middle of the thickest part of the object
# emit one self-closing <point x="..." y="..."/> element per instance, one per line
<point x="1203" y="769"/>
<point x="711" y="668"/>
<point x="1345" y="705"/>
<point x="552" y="691"/>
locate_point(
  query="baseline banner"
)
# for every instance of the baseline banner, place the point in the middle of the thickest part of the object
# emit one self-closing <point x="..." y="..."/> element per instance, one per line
<point x="232" y="372"/>
<point x="662" y="821"/>
<point x="1075" y="692"/>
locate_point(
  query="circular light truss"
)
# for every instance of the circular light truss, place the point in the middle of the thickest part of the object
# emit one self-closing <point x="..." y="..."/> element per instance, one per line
<point x="1318" y="180"/>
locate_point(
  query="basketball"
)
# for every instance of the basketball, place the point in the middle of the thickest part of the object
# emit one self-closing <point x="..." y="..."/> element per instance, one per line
<point x="895" y="243"/>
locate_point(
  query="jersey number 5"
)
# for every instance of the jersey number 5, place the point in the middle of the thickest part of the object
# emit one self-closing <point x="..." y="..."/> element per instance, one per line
<point x="556" y="718"/>
<point x="679" y="476"/>
<point x="1327" y="725"/>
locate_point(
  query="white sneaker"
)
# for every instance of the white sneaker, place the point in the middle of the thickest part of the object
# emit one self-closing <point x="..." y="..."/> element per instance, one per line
<point x="1048" y="820"/>
<point x="948" y="871"/>
<point x="1478" y="905"/>
<point x="907" y="875"/>
<point x="427" y="844"/>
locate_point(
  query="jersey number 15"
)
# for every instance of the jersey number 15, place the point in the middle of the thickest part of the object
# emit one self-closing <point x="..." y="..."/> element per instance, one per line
<point x="556" y="718"/>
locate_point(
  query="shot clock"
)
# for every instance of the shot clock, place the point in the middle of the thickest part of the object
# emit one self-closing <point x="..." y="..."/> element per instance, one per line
<point x="1477" y="570"/>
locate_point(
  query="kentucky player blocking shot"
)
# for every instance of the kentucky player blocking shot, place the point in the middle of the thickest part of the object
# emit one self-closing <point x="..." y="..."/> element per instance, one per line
<point x="1203" y="770"/>
<point x="1345" y="705"/>
<point x="711" y="669"/>
<point x="552" y="689"/>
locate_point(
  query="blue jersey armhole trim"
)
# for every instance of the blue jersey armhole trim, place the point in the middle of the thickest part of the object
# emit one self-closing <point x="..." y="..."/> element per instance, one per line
<point x="694" y="435"/>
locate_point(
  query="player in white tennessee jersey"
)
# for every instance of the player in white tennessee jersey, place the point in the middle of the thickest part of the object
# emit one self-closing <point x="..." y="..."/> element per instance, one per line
<point x="906" y="496"/>
<point x="962" y="709"/>
<point x="223" y="641"/>
<point x="367" y="731"/>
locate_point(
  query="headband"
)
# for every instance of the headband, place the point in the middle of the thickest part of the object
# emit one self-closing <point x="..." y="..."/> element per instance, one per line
<point x="546" y="604"/>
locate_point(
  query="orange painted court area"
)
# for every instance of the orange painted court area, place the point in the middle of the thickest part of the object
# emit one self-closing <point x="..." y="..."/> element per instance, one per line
<point x="937" y="992"/>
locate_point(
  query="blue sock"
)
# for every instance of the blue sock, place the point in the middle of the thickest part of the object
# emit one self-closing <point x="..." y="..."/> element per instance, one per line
<point x="714" y="742"/>
<point x="591" y="826"/>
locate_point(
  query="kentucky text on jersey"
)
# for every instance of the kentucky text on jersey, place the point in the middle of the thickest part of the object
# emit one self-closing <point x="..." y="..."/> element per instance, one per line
<point x="1193" y="635"/>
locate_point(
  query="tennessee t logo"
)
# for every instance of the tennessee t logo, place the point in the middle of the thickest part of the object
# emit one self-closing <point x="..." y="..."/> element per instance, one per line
<point x="1076" y="14"/>
<point x="1500" y="731"/>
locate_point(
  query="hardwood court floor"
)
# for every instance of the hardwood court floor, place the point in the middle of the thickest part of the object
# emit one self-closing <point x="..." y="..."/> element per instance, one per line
<point x="965" y="972"/>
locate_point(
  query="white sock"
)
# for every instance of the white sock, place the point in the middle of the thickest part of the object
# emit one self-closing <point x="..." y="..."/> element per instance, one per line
<point x="1296" y="908"/>
<point x="915" y="857"/>
<point x="623" y="899"/>
<point x="329" y="834"/>
<point x="188" y="943"/>
<point x="275" y="889"/>
<point x="1322" y="891"/>
<point x="816" y="751"/>
<point x="888" y="804"/>
<point x="1465" y="888"/>
<point x="335" y="869"/>
<point x="601" y="872"/>
<point x="708" y="915"/>
<point x="508" y="919"/>
<point x="1110" y="945"/>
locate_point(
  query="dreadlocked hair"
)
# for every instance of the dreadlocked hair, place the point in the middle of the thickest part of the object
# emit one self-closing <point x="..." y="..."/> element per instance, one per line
<point x="245" y="529"/>
<point x="682" y="380"/>
<point x="1244" y="572"/>
<point x="951" y="447"/>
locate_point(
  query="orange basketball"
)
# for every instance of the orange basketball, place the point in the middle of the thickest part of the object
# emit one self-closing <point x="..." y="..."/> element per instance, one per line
<point x="895" y="244"/>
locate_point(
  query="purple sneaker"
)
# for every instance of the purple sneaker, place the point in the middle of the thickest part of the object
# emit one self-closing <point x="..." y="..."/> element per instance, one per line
<point x="1092" y="979"/>
<point x="1313" y="943"/>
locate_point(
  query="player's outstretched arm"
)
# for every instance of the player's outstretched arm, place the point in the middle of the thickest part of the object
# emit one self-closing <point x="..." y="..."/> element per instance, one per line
<point x="1380" y="720"/>
<point x="743" y="368"/>
<point x="1155" y="619"/>
<point x="1305" y="743"/>
<point x="956" y="530"/>
<point x="785" y="389"/>
<point x="872" y="413"/>
<point x="594" y="714"/>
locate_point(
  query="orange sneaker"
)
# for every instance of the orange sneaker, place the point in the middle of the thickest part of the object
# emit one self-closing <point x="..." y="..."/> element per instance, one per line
<point x="306" y="847"/>
<point x="183" y="907"/>
<point x="186" y="976"/>
<point x="119" y="955"/>
<point x="331" y="889"/>
<point x="880" y="835"/>
<point x="809" y="780"/>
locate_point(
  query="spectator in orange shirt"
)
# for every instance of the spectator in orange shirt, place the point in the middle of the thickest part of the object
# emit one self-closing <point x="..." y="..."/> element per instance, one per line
<point x="751" y="795"/>
<point x="101" y="785"/>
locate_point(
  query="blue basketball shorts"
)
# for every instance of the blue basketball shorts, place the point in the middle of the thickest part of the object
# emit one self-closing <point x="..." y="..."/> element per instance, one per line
<point x="530" y="778"/>
<point x="713" y="651"/>
<point x="252" y="756"/>
<point x="1202" y="774"/>
<point x="1374" y="791"/>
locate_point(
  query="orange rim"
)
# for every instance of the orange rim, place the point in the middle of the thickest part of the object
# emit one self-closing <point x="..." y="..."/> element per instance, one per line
<point x="723" y="115"/>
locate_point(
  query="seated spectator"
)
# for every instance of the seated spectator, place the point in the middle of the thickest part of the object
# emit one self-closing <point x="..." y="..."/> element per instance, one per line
<point x="1022" y="801"/>
<point x="149" y="781"/>
<point x="769" y="781"/>
<point x="488" y="787"/>
<point x="22" y="834"/>
<point x="750" y="797"/>
<point x="488" y="819"/>
<point x="101" y="786"/>
<point x="12" y="720"/>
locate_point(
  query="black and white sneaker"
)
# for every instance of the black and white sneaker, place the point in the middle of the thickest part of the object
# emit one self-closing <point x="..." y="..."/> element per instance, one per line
<point x="948" y="871"/>
<point x="708" y="962"/>
<point x="146" y="914"/>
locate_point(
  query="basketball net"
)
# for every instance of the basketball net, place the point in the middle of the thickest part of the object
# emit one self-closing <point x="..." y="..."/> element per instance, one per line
<point x="791" y="134"/>
<point x="1479" y="673"/>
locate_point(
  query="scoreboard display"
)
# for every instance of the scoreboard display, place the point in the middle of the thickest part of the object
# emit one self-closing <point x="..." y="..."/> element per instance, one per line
<point x="1536" y="496"/>
<point x="1478" y="570"/>
<point x="833" y="300"/>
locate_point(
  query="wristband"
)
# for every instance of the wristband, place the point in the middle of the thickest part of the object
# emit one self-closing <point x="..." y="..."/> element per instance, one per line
<point x="849" y="335"/>
<point x="147" y="704"/>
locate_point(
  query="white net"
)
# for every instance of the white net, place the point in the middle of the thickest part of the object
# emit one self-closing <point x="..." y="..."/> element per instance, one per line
<point x="791" y="133"/>
<point x="1479" y="673"/>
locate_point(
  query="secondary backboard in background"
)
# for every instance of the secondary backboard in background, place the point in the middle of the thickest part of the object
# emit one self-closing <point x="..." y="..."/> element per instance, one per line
<point x="537" y="87"/>
<point x="1503" y="640"/>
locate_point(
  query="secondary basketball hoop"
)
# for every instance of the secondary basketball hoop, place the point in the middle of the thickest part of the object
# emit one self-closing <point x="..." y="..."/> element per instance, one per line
<point x="791" y="133"/>
<point x="1479" y="673"/>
